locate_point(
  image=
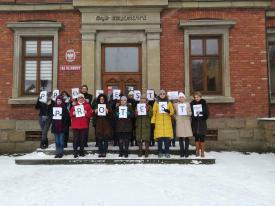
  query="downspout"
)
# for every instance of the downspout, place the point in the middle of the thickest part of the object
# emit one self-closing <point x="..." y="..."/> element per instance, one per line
<point x="268" y="67"/>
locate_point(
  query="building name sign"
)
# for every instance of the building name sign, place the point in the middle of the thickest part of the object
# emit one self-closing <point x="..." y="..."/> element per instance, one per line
<point x="122" y="18"/>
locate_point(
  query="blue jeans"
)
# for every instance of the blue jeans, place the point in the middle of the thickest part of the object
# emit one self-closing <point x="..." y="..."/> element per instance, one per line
<point x="166" y="142"/>
<point x="59" y="143"/>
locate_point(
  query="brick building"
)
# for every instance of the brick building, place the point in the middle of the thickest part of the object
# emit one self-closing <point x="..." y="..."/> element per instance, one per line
<point x="224" y="48"/>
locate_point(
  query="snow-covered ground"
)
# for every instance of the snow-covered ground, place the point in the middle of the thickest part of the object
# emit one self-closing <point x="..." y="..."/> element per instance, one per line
<point x="235" y="180"/>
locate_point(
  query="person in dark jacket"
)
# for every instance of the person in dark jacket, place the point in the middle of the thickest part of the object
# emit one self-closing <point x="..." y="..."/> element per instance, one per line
<point x="143" y="126"/>
<point x="89" y="98"/>
<point x="124" y="127"/>
<point x="133" y="104"/>
<point x="68" y="104"/>
<point x="199" y="126"/>
<point x="103" y="125"/>
<point x="59" y="123"/>
<point x="44" y="119"/>
<point x="80" y="124"/>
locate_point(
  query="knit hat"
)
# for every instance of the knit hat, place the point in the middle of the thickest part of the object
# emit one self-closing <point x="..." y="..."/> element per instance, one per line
<point x="123" y="98"/>
<point x="181" y="95"/>
<point x="80" y="95"/>
<point x="131" y="93"/>
<point x="162" y="91"/>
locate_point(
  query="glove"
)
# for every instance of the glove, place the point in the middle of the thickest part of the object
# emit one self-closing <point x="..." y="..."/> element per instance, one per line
<point x="167" y="110"/>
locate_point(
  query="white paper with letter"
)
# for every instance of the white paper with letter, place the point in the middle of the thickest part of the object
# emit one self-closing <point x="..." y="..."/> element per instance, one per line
<point x="75" y="92"/>
<point x="123" y="112"/>
<point x="79" y="111"/>
<point x="182" y="109"/>
<point x="101" y="110"/>
<point x="116" y="94"/>
<point x="150" y="95"/>
<point x="57" y="113"/>
<point x="197" y="108"/>
<point x="162" y="107"/>
<point x="174" y="95"/>
<point x="141" y="109"/>
<point x="137" y="95"/>
<point x="55" y="94"/>
<point x="43" y="96"/>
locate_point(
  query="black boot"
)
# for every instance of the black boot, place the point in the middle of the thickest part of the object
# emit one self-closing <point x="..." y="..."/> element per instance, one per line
<point x="81" y="153"/>
<point x="182" y="152"/>
<point x="121" y="152"/>
<point x="46" y="143"/>
<point x="75" y="154"/>
<point x="186" y="147"/>
<point x="126" y="151"/>
<point x="42" y="144"/>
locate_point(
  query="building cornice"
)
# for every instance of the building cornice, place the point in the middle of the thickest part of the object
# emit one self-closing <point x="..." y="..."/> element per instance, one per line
<point x="36" y="7"/>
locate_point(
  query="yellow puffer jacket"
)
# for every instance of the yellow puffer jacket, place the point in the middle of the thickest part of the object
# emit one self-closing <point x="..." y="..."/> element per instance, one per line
<point x="162" y="121"/>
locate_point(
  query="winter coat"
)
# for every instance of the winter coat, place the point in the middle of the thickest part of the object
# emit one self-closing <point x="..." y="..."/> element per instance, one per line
<point x="103" y="124"/>
<point x="143" y="125"/>
<point x="45" y="109"/>
<point x="162" y="121"/>
<point x="81" y="122"/>
<point x="88" y="97"/>
<point x="199" y="125"/>
<point x="183" y="123"/>
<point x="124" y="124"/>
<point x="59" y="126"/>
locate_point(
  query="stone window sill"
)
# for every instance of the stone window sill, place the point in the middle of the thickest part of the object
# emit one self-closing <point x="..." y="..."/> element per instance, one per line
<point x="219" y="99"/>
<point x="23" y="100"/>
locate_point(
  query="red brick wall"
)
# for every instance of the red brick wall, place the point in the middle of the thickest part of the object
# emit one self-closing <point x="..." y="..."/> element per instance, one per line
<point x="69" y="38"/>
<point x="248" y="65"/>
<point x="34" y="1"/>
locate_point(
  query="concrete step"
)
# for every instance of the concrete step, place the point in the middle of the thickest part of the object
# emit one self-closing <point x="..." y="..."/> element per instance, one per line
<point x="38" y="158"/>
<point x="113" y="150"/>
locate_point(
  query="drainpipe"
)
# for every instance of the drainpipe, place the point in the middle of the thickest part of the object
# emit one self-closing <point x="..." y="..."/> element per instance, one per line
<point x="268" y="68"/>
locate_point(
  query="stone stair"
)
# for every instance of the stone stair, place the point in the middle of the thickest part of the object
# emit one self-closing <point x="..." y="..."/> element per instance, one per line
<point x="46" y="157"/>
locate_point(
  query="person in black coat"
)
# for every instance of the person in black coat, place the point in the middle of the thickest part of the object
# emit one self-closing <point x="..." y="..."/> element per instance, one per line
<point x="44" y="119"/>
<point x="59" y="124"/>
<point x="89" y="98"/>
<point x="199" y="126"/>
<point x="68" y="104"/>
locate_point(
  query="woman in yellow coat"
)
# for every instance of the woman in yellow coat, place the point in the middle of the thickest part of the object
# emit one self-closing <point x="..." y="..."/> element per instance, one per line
<point x="162" y="112"/>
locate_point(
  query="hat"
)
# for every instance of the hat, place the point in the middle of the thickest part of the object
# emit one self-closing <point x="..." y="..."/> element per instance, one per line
<point x="131" y="93"/>
<point x="162" y="91"/>
<point x="60" y="97"/>
<point x="80" y="96"/>
<point x="181" y="95"/>
<point x="123" y="98"/>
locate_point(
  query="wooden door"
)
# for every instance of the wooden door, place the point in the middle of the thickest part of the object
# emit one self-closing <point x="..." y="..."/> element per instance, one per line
<point x="121" y="67"/>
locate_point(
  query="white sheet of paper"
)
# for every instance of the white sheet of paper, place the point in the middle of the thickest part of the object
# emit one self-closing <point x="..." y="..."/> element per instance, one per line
<point x="75" y="92"/>
<point x="182" y="109"/>
<point x="174" y="95"/>
<point x="101" y="110"/>
<point x="123" y="111"/>
<point x="162" y="107"/>
<point x="57" y="112"/>
<point x="116" y="93"/>
<point x="137" y="95"/>
<point x="43" y="96"/>
<point x="79" y="111"/>
<point x="197" y="109"/>
<point x="55" y="94"/>
<point x="98" y="92"/>
<point x="150" y="95"/>
<point x="141" y="109"/>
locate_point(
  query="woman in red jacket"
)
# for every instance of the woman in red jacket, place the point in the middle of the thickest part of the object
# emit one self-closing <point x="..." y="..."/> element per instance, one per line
<point x="80" y="114"/>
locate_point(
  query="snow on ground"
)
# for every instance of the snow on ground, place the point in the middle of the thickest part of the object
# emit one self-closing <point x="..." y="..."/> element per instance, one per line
<point x="236" y="179"/>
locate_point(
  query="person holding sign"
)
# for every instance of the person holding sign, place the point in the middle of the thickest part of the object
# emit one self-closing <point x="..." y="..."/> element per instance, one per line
<point x="60" y="116"/>
<point x="80" y="114"/>
<point x="199" y="116"/>
<point x="132" y="102"/>
<point x="124" y="125"/>
<point x="68" y="103"/>
<point x="44" y="104"/>
<point x="143" y="124"/>
<point x="162" y="112"/>
<point x="183" y="124"/>
<point x="103" y="124"/>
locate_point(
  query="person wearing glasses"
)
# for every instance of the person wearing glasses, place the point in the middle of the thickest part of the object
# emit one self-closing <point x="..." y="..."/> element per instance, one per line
<point x="162" y="112"/>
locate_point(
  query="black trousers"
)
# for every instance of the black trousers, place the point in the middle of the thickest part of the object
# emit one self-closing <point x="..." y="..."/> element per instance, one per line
<point x="79" y="138"/>
<point x="102" y="146"/>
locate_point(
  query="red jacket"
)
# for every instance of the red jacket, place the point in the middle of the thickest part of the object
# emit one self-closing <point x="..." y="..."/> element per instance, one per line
<point x="81" y="122"/>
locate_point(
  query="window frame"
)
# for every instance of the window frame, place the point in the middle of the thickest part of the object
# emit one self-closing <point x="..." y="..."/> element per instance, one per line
<point x="38" y="58"/>
<point x="204" y="56"/>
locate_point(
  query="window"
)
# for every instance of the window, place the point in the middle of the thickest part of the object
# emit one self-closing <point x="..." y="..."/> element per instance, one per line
<point x="206" y="58"/>
<point x="37" y="65"/>
<point x="205" y="64"/>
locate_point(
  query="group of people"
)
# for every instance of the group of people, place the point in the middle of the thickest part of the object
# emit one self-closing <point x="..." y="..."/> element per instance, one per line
<point x="162" y="120"/>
